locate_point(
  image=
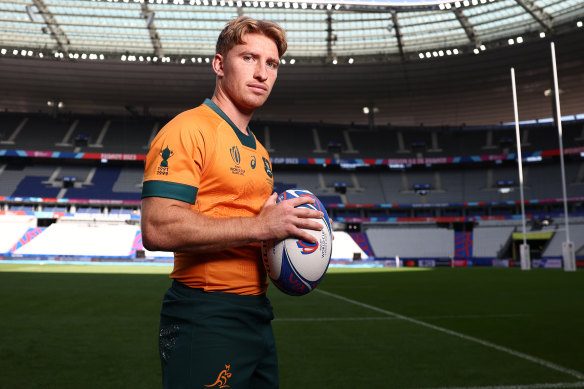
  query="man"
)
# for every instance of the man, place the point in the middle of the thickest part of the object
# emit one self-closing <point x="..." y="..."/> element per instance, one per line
<point x="207" y="196"/>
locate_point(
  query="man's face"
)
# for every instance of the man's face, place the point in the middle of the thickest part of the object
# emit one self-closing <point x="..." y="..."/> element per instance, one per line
<point x="246" y="74"/>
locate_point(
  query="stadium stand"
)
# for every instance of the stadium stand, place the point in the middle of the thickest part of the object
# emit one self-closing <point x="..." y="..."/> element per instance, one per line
<point x="405" y="242"/>
<point x="83" y="237"/>
<point x="554" y="247"/>
<point x="12" y="228"/>
<point x="489" y="240"/>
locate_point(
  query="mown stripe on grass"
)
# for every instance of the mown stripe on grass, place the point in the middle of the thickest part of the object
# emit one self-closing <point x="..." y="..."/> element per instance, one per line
<point x="532" y="386"/>
<point x="519" y="354"/>
<point x="365" y="318"/>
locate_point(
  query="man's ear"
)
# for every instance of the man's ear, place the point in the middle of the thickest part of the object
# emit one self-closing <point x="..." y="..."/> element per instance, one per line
<point x="218" y="65"/>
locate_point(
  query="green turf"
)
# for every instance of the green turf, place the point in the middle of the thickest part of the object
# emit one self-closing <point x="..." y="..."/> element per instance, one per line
<point x="95" y="327"/>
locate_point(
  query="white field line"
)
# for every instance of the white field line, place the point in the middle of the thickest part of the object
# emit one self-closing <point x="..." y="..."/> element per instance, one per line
<point x="386" y="318"/>
<point x="556" y="385"/>
<point x="539" y="361"/>
<point x="308" y="319"/>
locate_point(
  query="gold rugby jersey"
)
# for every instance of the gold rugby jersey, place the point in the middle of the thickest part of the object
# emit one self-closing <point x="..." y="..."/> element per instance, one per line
<point x="202" y="158"/>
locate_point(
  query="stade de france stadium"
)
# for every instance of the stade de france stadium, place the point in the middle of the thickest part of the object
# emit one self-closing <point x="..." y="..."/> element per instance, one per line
<point x="398" y="115"/>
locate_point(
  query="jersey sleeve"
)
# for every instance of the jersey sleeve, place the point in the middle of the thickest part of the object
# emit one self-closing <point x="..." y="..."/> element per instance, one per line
<point x="175" y="162"/>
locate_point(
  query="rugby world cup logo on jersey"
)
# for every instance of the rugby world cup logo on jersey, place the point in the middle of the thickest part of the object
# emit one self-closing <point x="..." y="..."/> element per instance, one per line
<point x="165" y="153"/>
<point x="236" y="157"/>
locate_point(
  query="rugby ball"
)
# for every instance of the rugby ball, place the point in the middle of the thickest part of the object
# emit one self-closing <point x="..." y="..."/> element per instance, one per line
<point x="296" y="267"/>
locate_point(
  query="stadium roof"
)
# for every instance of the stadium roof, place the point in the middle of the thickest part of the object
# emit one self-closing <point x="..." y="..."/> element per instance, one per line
<point x="437" y="63"/>
<point x="318" y="31"/>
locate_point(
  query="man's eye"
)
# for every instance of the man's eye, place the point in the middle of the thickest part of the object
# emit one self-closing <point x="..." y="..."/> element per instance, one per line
<point x="247" y="58"/>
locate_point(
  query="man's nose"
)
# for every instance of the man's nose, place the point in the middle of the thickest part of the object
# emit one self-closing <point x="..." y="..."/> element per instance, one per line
<point x="261" y="72"/>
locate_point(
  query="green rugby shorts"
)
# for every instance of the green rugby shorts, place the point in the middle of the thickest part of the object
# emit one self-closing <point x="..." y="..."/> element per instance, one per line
<point x="216" y="340"/>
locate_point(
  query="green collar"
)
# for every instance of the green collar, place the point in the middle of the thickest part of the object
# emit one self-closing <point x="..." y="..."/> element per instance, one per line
<point x="246" y="140"/>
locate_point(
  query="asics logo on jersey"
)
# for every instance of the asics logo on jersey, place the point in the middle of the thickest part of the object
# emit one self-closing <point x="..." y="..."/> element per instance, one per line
<point x="221" y="381"/>
<point x="307" y="248"/>
<point x="253" y="161"/>
<point x="235" y="155"/>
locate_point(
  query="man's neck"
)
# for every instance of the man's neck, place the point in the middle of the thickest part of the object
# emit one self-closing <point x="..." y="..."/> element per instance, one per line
<point x="240" y="119"/>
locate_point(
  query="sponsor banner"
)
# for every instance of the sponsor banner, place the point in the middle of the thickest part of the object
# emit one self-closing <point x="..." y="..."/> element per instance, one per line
<point x="309" y="161"/>
<point x="427" y="263"/>
<point x="461" y="263"/>
<point x="442" y="262"/>
<point x="549" y="263"/>
<point x="500" y="263"/>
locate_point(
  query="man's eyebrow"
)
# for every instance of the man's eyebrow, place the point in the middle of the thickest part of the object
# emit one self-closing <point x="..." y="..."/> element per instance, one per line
<point x="254" y="54"/>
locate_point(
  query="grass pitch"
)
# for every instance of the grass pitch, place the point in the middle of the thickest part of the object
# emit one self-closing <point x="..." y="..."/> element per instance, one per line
<point x="66" y="326"/>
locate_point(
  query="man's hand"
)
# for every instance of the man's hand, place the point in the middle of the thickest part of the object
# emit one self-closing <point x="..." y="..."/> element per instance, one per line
<point x="282" y="220"/>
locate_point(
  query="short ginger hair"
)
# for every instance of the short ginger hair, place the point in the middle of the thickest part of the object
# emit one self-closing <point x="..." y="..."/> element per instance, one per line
<point x="234" y="32"/>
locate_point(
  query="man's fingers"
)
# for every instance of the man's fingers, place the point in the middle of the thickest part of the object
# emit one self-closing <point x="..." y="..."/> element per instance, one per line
<point x="305" y="236"/>
<point x="296" y="201"/>
<point x="307" y="213"/>
<point x="271" y="200"/>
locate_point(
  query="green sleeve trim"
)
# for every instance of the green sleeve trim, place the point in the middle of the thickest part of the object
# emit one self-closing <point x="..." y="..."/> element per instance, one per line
<point x="170" y="190"/>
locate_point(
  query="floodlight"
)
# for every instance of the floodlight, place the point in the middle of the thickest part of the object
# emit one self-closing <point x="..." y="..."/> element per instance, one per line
<point x="455" y="51"/>
<point x="476" y="51"/>
<point x="519" y="39"/>
<point x="3" y="51"/>
<point x="421" y="55"/>
<point x="283" y="61"/>
<point x="448" y="52"/>
<point x="292" y="61"/>
<point x="542" y="34"/>
<point x="351" y="60"/>
<point x="335" y="61"/>
<point x="579" y="24"/>
<point x="511" y="41"/>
